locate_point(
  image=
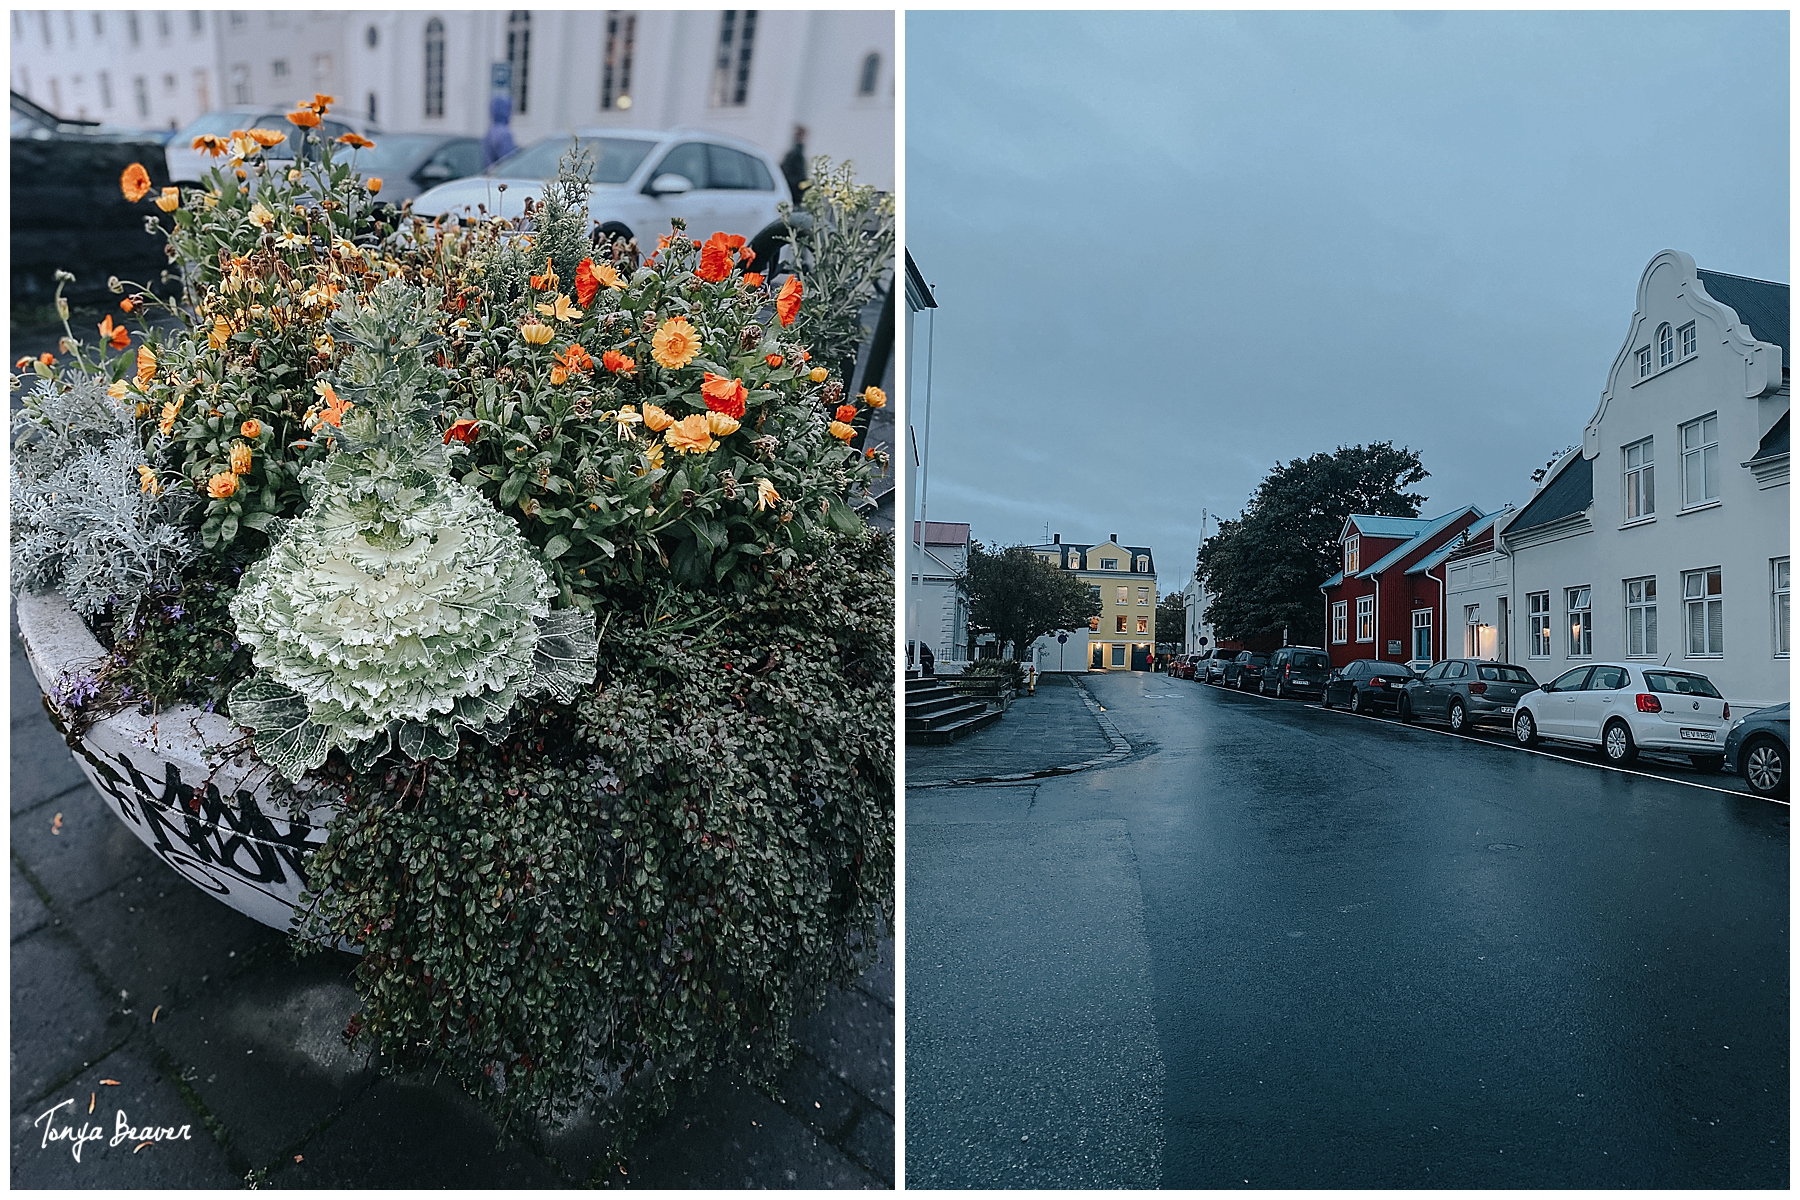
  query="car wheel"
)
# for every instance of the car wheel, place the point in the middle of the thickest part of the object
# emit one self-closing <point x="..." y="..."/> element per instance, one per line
<point x="1525" y="729"/>
<point x="1459" y="717"/>
<point x="1707" y="764"/>
<point x="1765" y="767"/>
<point x="610" y="231"/>
<point x="1616" y="743"/>
<point x="1406" y="712"/>
<point x="1356" y="702"/>
<point x="1241" y="686"/>
<point x="1279" y="693"/>
<point x="1325" y="697"/>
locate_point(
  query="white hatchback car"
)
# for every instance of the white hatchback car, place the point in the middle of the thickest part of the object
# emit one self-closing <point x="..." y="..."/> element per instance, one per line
<point x="641" y="179"/>
<point x="1626" y="707"/>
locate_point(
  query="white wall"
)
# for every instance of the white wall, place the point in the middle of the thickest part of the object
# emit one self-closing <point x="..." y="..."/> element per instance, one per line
<point x="1069" y="657"/>
<point x="62" y="71"/>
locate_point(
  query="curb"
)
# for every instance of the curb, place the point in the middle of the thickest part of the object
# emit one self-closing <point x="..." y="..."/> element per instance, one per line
<point x="1120" y="749"/>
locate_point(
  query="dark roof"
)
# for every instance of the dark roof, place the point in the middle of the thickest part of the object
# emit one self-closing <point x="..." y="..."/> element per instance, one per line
<point x="1569" y="493"/>
<point x="918" y="292"/>
<point x="1774" y="442"/>
<point x="1082" y="548"/>
<point x="944" y="533"/>
<point x="1761" y="305"/>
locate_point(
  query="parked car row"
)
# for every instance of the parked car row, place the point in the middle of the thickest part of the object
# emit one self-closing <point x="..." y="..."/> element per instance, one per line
<point x="1619" y="709"/>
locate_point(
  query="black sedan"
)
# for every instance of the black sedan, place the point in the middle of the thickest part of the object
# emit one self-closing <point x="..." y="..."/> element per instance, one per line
<point x="1467" y="691"/>
<point x="1245" y="671"/>
<point x="1757" y="748"/>
<point x="1367" y="685"/>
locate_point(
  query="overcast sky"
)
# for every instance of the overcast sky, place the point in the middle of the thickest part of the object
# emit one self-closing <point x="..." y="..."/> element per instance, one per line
<point x="1173" y="249"/>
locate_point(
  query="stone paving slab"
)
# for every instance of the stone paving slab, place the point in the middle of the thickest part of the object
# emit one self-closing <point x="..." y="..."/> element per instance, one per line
<point x="84" y="853"/>
<point x="63" y="1020"/>
<point x="28" y="912"/>
<point x="854" y="1036"/>
<point x="1053" y="729"/>
<point x="148" y="1098"/>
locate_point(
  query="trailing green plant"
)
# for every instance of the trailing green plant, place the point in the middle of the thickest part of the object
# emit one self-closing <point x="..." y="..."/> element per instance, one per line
<point x="844" y="252"/>
<point x="179" y="647"/>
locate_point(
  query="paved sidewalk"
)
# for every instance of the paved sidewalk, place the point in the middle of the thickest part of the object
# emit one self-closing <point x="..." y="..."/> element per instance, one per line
<point x="134" y="991"/>
<point x="1059" y="727"/>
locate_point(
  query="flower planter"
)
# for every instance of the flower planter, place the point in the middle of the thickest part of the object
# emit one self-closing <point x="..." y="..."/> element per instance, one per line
<point x="183" y="780"/>
<point x="997" y="692"/>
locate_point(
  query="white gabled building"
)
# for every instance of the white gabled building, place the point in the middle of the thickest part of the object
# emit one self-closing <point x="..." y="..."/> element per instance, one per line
<point x="1198" y="631"/>
<point x="1664" y="536"/>
<point x="938" y="600"/>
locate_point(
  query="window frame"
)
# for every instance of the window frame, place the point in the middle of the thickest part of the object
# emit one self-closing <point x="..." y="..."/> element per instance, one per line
<point x="1109" y="564"/>
<point x="1539" y="614"/>
<point x="1780" y="579"/>
<point x="1709" y="604"/>
<point x="1352" y="555"/>
<point x="1365" y="619"/>
<point x="616" y="61"/>
<point x="1665" y="346"/>
<point x="1704" y="454"/>
<point x="1119" y="623"/>
<point x="1340" y="622"/>
<point x="1639" y="480"/>
<point x="1643" y="357"/>
<point x="1689" y="342"/>
<point x="1419" y="625"/>
<point x="434" y="69"/>
<point x="1144" y="595"/>
<point x="1644" y="634"/>
<point x="868" y="76"/>
<point x="1578" y="620"/>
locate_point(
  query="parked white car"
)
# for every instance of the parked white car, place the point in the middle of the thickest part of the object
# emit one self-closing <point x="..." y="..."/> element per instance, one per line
<point x="641" y="179"/>
<point x="1626" y="707"/>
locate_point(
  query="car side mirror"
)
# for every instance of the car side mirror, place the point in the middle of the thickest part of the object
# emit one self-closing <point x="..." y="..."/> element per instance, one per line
<point x="671" y="184"/>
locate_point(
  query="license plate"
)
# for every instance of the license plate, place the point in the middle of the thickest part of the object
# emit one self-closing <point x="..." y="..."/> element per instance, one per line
<point x="1697" y="735"/>
<point x="1506" y="711"/>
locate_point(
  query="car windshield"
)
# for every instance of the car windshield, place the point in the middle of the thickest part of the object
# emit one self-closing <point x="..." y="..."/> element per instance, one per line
<point x="1503" y="674"/>
<point x="614" y="158"/>
<point x="1315" y="662"/>
<point x="394" y="152"/>
<point x="1390" y="670"/>
<point x="1680" y="684"/>
<point x="1259" y="660"/>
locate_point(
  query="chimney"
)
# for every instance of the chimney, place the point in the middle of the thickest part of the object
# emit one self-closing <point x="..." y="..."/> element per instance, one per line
<point x="1056" y="539"/>
<point x="1112" y="537"/>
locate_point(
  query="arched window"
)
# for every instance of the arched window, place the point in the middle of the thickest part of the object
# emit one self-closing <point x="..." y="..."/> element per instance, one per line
<point x="1143" y="564"/>
<point x="1665" y="346"/>
<point x="871" y="74"/>
<point x="518" y="57"/>
<point x="434" y="68"/>
<point x="615" y="67"/>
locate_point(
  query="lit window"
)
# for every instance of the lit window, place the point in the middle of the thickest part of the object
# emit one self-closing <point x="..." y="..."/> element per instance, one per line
<point x="731" y="65"/>
<point x="1120" y="626"/>
<point x="1352" y="549"/>
<point x="1644" y="363"/>
<point x="615" y="67"/>
<point x="1700" y="461"/>
<point x="1640" y="481"/>
<point x="1109" y="564"/>
<point x="1540" y="624"/>
<point x="1143" y="625"/>
<point x="1340" y="622"/>
<point x="871" y="74"/>
<point x="1665" y="346"/>
<point x="1703" y="596"/>
<point x="1778" y="604"/>
<point x="1143" y="595"/>
<point x="1640" y="617"/>
<point x="1689" y="342"/>
<point x="1365" y="618"/>
<point x="1121" y="597"/>
<point x="1581" y="622"/>
<point x="434" y="68"/>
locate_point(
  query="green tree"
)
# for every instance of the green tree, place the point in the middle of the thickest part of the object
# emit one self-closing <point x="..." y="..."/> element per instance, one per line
<point x="1171" y="619"/>
<point x="1264" y="569"/>
<point x="1017" y="596"/>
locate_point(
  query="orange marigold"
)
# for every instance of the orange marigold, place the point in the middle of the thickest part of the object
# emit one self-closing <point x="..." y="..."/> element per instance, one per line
<point x="618" y="364"/>
<point x="724" y="395"/>
<point x="787" y="303"/>
<point x="267" y="138"/>
<point x="846" y="413"/>
<point x="357" y="141"/>
<point x="251" y="429"/>
<point x="655" y="419"/>
<point x="146" y="366"/>
<point x="676" y="344"/>
<point x="169" y="200"/>
<point x="134" y="182"/>
<point x="690" y="435"/>
<point x="211" y="143"/>
<point x="462" y="431"/>
<point x="841" y="431"/>
<point x="874" y="397"/>
<point x="753" y="279"/>
<point x="116" y="336"/>
<point x="240" y="458"/>
<point x="774" y="360"/>
<point x="306" y="118"/>
<point x="222" y="486"/>
<point x="536" y="332"/>
<point x="715" y="258"/>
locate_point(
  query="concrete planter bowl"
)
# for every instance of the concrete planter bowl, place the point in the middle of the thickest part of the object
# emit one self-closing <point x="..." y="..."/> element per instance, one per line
<point x="182" y="779"/>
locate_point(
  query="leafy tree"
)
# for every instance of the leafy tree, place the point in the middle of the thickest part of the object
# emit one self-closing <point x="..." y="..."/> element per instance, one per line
<point x="1017" y="596"/>
<point x="1171" y="619"/>
<point x="1264" y="569"/>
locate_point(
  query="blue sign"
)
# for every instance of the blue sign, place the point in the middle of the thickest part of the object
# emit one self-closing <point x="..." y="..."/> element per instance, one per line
<point x="1062" y="637"/>
<point x="1203" y="641"/>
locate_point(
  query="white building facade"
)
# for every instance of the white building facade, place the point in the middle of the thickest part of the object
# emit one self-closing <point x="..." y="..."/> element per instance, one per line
<point x="938" y="600"/>
<point x="753" y="74"/>
<point x="1664" y="536"/>
<point x="1197" y="631"/>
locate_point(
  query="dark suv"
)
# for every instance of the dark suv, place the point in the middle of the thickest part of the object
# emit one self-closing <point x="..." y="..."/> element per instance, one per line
<point x="1243" y="671"/>
<point x="1296" y="670"/>
<point x="1366" y="685"/>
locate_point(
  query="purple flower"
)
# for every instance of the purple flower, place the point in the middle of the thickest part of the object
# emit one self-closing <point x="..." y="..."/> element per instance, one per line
<point x="177" y="612"/>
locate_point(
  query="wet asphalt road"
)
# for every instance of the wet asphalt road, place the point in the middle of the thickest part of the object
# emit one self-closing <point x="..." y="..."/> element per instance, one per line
<point x="1285" y="947"/>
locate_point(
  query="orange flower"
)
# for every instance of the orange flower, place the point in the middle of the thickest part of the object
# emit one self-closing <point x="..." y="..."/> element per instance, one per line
<point x="47" y="358"/>
<point x="222" y="486"/>
<point x="846" y="413"/>
<point x="166" y="425"/>
<point x="841" y="431"/>
<point x="715" y="258"/>
<point x="874" y="397"/>
<point x="305" y="118"/>
<point x="721" y="425"/>
<point x="127" y="304"/>
<point x="169" y="200"/>
<point x="753" y="279"/>
<point x="220" y="334"/>
<point x="240" y="458"/>
<point x="818" y="374"/>
<point x="147" y="480"/>
<point x="463" y="431"/>
<point x="690" y="435"/>
<point x="589" y="279"/>
<point x="575" y="360"/>
<point x="547" y="281"/>
<point x="618" y="364"/>
<point x="268" y="138"/>
<point x="774" y="360"/>
<point x="536" y="332"/>
<point x="334" y="407"/>
<point x="211" y="143"/>
<point x="321" y="103"/>
<point x="356" y="140"/>
<point x="146" y="366"/>
<point x="374" y="185"/>
<point x="676" y="344"/>
<point x="655" y="419"/>
<point x="787" y="304"/>
<point x="251" y="429"/>
<point x="134" y="182"/>
<point x="724" y="395"/>
<point x="116" y="336"/>
<point x="766" y="494"/>
<point x="561" y="310"/>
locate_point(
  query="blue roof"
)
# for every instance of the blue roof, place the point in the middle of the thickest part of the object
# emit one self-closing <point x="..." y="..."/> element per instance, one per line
<point x="1398" y="527"/>
<point x="1760" y="304"/>
<point x="1431" y="527"/>
<point x="1332" y="582"/>
<point x="1454" y="544"/>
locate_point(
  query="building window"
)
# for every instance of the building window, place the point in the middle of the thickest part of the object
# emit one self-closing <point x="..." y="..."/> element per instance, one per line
<point x="1700" y="461"/>
<point x="202" y="92"/>
<point x="1093" y="624"/>
<point x="1340" y="622"/>
<point x="240" y="83"/>
<point x="374" y="112"/>
<point x="1143" y="563"/>
<point x="1640" y="617"/>
<point x="1118" y="654"/>
<point x="278" y="69"/>
<point x="1109" y="564"/>
<point x="169" y="82"/>
<point x="371" y="37"/>
<point x="1581" y="622"/>
<point x="99" y="25"/>
<point x="434" y="68"/>
<point x="1640" y="479"/>
<point x="731" y="66"/>
<point x="1689" y="342"/>
<point x="237" y="18"/>
<point x="1422" y="634"/>
<point x="1095" y="588"/>
<point x="1703" y="595"/>
<point x="1122" y="594"/>
<point x="518" y="57"/>
<point x="1644" y="363"/>
<point x="1665" y="346"/>
<point x="1143" y="625"/>
<point x="322" y="70"/>
<point x="1352" y="551"/>
<point x="1143" y="595"/>
<point x="196" y="22"/>
<point x="615" y="71"/>
<point x="131" y="28"/>
<point x="1540" y="624"/>
<point x="141" y="91"/>
<point x="1074" y="562"/>
<point x="1778" y="603"/>
<point x="1120" y="620"/>
<point x="1365" y="618"/>
<point x="871" y="74"/>
<point x="1472" y="630"/>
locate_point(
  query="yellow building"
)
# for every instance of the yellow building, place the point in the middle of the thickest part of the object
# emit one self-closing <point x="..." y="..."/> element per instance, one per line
<point x="1123" y="579"/>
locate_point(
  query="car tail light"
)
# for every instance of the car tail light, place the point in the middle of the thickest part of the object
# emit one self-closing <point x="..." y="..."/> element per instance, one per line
<point x="1728" y="712"/>
<point x="1648" y="703"/>
<point x="1378" y="681"/>
<point x="1478" y="689"/>
<point x="1288" y="671"/>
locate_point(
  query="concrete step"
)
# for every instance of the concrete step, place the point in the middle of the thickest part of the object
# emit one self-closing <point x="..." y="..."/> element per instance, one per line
<point x="946" y="734"/>
<point x="941" y="718"/>
<point x="934" y="704"/>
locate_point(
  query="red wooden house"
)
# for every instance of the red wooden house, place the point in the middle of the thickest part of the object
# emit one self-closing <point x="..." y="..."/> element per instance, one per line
<point x="1388" y="601"/>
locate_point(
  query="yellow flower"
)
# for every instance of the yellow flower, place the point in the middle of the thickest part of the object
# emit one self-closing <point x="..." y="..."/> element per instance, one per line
<point x="818" y="374"/>
<point x="146" y="366"/>
<point x="220" y="334"/>
<point x="374" y="185"/>
<point x="222" y="486"/>
<point x="765" y="494"/>
<point x="874" y="397"/>
<point x="676" y="344"/>
<point x="170" y="200"/>
<point x="117" y="390"/>
<point x="324" y="345"/>
<point x="166" y="426"/>
<point x="261" y="217"/>
<point x="841" y="431"/>
<point x="562" y="310"/>
<point x="653" y="458"/>
<point x="655" y="419"/>
<point x="720" y="424"/>
<point x="536" y="333"/>
<point x="240" y="458"/>
<point x="625" y="418"/>
<point x="147" y="481"/>
<point x="690" y="435"/>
